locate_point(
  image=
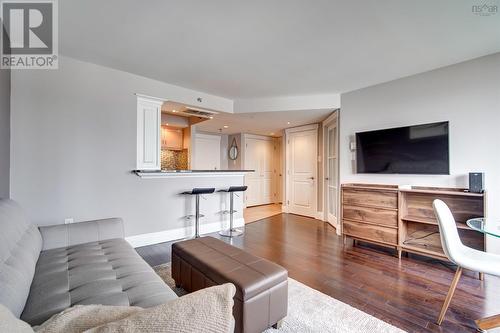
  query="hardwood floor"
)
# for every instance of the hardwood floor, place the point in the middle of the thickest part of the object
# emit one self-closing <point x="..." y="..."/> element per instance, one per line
<point x="257" y="213"/>
<point x="407" y="293"/>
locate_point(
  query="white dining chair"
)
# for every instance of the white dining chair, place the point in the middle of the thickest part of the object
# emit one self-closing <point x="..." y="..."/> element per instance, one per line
<point x="458" y="253"/>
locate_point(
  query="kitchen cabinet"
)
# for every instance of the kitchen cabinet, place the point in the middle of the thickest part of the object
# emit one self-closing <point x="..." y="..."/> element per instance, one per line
<point x="148" y="133"/>
<point x="171" y="138"/>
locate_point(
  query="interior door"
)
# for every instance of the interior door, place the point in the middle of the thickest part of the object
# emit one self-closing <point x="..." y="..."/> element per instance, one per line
<point x="302" y="170"/>
<point x="253" y="179"/>
<point x="266" y="172"/>
<point x="207" y="152"/>
<point x="331" y="180"/>
<point x="278" y="166"/>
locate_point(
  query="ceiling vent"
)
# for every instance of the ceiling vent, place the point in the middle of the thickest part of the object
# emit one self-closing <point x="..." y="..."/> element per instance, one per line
<point x="198" y="113"/>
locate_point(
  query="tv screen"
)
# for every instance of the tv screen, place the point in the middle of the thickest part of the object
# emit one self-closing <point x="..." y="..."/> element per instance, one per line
<point x="420" y="149"/>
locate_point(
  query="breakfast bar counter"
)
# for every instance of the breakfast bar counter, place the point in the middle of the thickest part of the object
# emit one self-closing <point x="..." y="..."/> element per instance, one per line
<point x="174" y="208"/>
<point x="188" y="173"/>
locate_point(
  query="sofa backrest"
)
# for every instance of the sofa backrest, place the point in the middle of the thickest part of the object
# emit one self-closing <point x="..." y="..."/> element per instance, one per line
<point x="20" y="246"/>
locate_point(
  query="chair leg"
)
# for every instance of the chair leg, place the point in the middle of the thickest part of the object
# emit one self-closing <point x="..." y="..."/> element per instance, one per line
<point x="451" y="291"/>
<point x="488" y="323"/>
<point x="278" y="325"/>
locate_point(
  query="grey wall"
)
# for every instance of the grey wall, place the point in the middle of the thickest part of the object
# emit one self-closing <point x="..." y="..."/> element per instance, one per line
<point x="466" y="94"/>
<point x="74" y="146"/>
<point x="4" y="133"/>
<point x="237" y="163"/>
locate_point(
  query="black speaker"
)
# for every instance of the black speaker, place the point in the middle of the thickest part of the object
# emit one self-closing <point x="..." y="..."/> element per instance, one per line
<point x="476" y="182"/>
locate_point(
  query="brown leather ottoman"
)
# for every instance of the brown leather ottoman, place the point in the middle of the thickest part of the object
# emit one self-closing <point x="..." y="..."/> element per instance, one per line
<point x="261" y="286"/>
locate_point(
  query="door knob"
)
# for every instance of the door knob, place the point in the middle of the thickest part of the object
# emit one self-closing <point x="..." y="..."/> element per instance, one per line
<point x="312" y="178"/>
<point x="327" y="178"/>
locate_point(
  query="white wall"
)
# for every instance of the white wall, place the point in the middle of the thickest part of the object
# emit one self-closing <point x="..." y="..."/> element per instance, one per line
<point x="288" y="103"/>
<point x="466" y="94"/>
<point x="74" y="145"/>
<point x="4" y="133"/>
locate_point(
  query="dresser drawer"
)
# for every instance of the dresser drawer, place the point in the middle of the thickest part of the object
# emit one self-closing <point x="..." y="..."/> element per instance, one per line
<point x="370" y="232"/>
<point x="370" y="198"/>
<point x="373" y="215"/>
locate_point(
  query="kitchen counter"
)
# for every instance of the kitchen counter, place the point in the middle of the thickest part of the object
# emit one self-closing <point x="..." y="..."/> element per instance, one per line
<point x="188" y="173"/>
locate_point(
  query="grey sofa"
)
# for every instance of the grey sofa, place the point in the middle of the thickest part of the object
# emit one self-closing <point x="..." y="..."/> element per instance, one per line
<point x="48" y="269"/>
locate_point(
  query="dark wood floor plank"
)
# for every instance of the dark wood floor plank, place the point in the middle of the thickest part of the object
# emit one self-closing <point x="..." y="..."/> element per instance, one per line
<point x="407" y="293"/>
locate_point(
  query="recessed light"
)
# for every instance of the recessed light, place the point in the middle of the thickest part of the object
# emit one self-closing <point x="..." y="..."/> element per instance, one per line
<point x="167" y="124"/>
<point x="211" y="117"/>
<point x="174" y="111"/>
<point x="225" y="126"/>
<point x="288" y="123"/>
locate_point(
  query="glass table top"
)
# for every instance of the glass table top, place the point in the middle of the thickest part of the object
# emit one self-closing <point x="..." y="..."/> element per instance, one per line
<point x="485" y="226"/>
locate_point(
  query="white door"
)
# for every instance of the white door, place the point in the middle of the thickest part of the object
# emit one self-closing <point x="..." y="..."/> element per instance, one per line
<point x="331" y="179"/>
<point x="278" y="165"/>
<point x="253" y="179"/>
<point x="259" y="156"/>
<point x="267" y="171"/>
<point x="302" y="170"/>
<point x="207" y="152"/>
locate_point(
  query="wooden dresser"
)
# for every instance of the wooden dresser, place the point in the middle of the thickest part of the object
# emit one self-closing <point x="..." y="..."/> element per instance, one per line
<point x="370" y="213"/>
<point x="404" y="219"/>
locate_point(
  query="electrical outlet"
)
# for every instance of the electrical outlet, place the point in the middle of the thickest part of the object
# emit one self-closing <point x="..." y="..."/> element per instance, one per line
<point x="68" y="220"/>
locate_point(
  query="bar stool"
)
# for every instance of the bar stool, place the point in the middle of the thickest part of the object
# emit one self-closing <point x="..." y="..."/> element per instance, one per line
<point x="232" y="231"/>
<point x="197" y="192"/>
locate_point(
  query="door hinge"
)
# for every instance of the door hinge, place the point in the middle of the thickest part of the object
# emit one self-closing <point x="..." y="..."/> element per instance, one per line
<point x="288" y="202"/>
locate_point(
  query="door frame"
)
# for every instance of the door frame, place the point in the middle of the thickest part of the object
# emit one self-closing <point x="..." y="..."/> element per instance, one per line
<point x="333" y="118"/>
<point x="288" y="131"/>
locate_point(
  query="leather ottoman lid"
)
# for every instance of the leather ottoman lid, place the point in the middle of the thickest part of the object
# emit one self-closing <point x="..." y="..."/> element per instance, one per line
<point x="223" y="263"/>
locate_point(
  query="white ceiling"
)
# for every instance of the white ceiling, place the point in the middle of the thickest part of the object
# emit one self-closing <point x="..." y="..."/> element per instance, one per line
<point x="263" y="123"/>
<point x="262" y="48"/>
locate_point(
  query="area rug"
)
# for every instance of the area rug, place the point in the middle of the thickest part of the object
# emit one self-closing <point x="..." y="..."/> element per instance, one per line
<point x="311" y="311"/>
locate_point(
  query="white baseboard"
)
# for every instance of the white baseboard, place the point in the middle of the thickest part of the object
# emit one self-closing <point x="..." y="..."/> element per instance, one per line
<point x="320" y="216"/>
<point x="179" y="233"/>
<point x="284" y="208"/>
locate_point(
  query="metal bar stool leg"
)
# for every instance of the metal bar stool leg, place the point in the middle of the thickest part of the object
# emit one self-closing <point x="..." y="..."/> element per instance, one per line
<point x="197" y="192"/>
<point x="231" y="231"/>
<point x="197" y="218"/>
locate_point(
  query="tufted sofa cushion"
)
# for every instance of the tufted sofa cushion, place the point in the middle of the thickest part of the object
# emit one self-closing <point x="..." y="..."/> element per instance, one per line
<point x="20" y="245"/>
<point x="107" y="272"/>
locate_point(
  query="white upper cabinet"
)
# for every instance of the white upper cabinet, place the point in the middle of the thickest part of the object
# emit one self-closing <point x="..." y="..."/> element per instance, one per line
<point x="171" y="138"/>
<point x="148" y="133"/>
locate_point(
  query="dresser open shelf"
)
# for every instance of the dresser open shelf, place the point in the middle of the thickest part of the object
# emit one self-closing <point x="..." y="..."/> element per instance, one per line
<point x="404" y="218"/>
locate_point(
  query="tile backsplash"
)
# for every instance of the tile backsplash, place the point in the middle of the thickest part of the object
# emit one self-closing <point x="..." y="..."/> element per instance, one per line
<point x="174" y="159"/>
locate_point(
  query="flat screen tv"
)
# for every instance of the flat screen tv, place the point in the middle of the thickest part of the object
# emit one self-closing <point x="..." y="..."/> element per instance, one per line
<point x="420" y="149"/>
